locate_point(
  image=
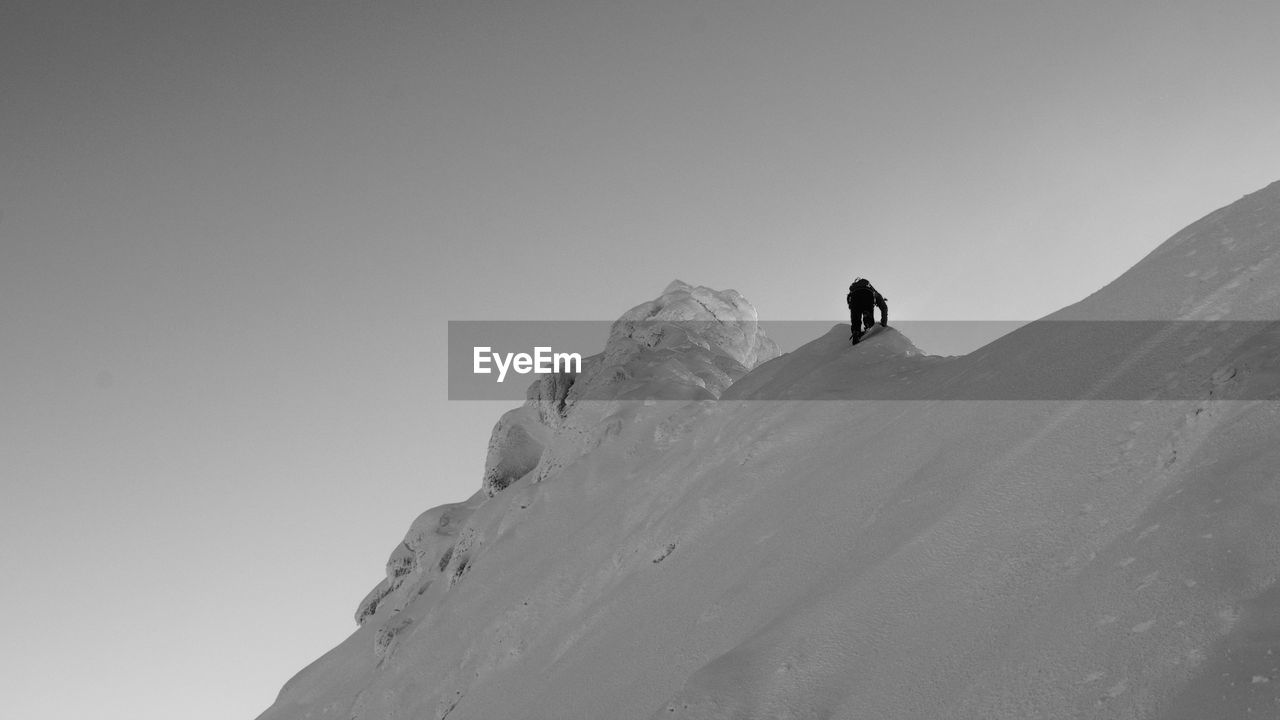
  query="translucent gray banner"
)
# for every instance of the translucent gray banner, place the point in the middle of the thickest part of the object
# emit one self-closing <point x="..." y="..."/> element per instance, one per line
<point x="912" y="360"/>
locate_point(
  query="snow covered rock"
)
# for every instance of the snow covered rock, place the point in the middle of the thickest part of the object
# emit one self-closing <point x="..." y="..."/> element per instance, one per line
<point x="427" y="551"/>
<point x="690" y="343"/>
<point x="515" y="447"/>
<point x="720" y="322"/>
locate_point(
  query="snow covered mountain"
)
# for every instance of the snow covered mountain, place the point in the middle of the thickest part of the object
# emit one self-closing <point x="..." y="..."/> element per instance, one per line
<point x="1073" y="521"/>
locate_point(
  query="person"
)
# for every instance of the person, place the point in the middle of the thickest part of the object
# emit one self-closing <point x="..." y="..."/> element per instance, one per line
<point x="862" y="300"/>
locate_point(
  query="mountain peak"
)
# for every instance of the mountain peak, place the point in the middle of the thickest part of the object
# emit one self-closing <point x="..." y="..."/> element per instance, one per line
<point x="719" y="320"/>
<point x="676" y="285"/>
<point x="828" y="367"/>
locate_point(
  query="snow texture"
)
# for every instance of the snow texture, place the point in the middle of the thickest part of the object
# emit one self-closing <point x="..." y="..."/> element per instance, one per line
<point x="759" y="556"/>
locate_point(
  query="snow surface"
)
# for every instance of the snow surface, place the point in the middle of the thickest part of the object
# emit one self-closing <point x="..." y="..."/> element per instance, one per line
<point x="765" y="555"/>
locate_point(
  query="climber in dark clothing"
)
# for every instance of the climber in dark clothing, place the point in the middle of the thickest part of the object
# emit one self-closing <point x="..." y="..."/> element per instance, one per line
<point x="862" y="300"/>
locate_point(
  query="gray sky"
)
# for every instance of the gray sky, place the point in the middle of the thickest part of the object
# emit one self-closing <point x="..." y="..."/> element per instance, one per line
<point x="231" y="235"/>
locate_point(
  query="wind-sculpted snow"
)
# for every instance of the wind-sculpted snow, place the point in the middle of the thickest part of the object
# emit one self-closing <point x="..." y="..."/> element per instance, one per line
<point x="428" y="550"/>
<point x="734" y="332"/>
<point x="690" y="343"/>
<point x="767" y="556"/>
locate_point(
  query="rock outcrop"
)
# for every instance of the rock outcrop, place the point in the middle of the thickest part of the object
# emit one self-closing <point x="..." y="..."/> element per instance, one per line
<point x="690" y="343"/>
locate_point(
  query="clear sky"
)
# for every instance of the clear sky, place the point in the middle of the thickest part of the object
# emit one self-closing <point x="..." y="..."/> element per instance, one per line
<point x="231" y="235"/>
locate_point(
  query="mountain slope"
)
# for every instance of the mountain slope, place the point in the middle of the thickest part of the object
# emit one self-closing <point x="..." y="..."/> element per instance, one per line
<point x="1224" y="266"/>
<point x="766" y="555"/>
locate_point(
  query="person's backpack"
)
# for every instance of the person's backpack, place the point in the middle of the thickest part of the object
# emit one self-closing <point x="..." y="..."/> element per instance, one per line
<point x="862" y="291"/>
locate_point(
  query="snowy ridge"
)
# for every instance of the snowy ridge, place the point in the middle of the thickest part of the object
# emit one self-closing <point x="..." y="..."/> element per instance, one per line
<point x="760" y="556"/>
<point x="690" y="342"/>
<point x="1221" y="267"/>
<point x="884" y="363"/>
